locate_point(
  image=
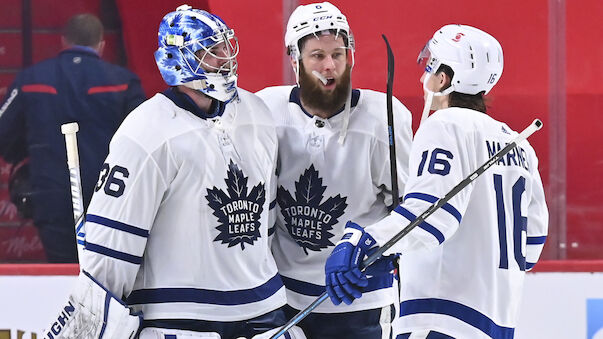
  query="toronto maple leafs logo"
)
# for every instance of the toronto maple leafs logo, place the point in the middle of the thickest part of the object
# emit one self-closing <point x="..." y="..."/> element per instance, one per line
<point x="238" y="212"/>
<point x="308" y="220"/>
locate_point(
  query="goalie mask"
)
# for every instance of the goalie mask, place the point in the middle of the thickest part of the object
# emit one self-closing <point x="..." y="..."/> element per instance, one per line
<point x="188" y="38"/>
<point x="316" y="19"/>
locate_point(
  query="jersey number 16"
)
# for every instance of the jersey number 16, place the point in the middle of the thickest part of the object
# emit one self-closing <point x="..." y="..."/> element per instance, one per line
<point x="519" y="222"/>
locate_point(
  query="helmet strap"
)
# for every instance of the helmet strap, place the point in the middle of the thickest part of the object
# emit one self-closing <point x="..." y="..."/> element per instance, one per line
<point x="346" y="117"/>
<point x="430" y="95"/>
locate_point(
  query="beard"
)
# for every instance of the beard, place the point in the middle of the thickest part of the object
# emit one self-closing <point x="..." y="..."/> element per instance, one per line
<point x="314" y="96"/>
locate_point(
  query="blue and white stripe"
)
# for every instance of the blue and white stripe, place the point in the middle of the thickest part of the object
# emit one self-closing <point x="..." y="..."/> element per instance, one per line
<point x="119" y="226"/>
<point x="459" y="311"/>
<point x="206" y="296"/>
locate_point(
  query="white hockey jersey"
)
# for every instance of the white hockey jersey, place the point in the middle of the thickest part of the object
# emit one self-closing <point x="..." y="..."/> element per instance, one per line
<point x="179" y="221"/>
<point x="462" y="270"/>
<point x="322" y="184"/>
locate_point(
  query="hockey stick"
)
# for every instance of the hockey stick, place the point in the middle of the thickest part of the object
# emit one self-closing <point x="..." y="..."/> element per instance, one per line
<point x="77" y="200"/>
<point x="533" y="127"/>
<point x="390" y="123"/>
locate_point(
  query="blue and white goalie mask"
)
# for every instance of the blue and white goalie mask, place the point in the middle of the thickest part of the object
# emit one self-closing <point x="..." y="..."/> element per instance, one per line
<point x="198" y="50"/>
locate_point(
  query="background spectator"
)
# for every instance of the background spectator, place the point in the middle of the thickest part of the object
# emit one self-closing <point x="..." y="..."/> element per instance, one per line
<point x="74" y="86"/>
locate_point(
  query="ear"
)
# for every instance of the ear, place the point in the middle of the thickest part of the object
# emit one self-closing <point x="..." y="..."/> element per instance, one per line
<point x="100" y="47"/>
<point x="64" y="43"/>
<point x="442" y="80"/>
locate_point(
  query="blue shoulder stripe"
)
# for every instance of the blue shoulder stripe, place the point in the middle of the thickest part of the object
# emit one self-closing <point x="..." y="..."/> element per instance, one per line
<point x="117" y="225"/>
<point x="113" y="253"/>
<point x="536" y="240"/>
<point x="203" y="296"/>
<point x="459" y="311"/>
<point x="424" y="225"/>
<point x="432" y="199"/>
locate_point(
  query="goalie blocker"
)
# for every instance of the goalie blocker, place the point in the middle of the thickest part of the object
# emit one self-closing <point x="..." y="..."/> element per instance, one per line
<point x="92" y="312"/>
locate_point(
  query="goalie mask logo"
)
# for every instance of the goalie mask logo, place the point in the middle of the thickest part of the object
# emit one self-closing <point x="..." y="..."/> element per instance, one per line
<point x="309" y="221"/>
<point x="238" y="212"/>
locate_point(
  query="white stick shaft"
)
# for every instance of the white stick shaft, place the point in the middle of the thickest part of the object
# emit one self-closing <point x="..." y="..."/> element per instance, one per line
<point x="77" y="200"/>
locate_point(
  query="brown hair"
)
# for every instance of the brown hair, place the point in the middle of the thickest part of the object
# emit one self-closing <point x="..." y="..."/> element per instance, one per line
<point x="84" y="30"/>
<point x="475" y="102"/>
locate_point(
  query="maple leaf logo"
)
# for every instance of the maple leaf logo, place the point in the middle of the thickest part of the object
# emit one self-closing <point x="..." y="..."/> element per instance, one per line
<point x="238" y="212"/>
<point x="309" y="221"/>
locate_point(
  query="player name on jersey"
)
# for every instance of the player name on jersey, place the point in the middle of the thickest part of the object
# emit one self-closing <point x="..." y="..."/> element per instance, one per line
<point x="516" y="156"/>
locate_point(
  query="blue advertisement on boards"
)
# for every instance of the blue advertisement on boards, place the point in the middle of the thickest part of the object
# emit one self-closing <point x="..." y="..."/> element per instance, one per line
<point x="594" y="318"/>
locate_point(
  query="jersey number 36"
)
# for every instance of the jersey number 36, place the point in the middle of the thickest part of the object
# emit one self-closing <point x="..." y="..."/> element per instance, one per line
<point x="111" y="178"/>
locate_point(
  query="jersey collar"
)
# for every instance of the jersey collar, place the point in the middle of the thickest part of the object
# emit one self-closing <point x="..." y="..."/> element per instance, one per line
<point x="81" y="49"/>
<point x="183" y="101"/>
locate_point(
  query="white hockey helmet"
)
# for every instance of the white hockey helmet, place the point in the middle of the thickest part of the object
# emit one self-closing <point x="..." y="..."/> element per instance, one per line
<point x="475" y="56"/>
<point x="314" y="18"/>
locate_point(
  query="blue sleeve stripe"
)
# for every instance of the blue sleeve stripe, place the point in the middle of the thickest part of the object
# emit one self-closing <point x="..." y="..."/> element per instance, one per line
<point x="79" y="227"/>
<point x="117" y="225"/>
<point x="431" y="199"/>
<point x="374" y="283"/>
<point x="424" y="225"/>
<point x="530" y="265"/>
<point x="203" y="296"/>
<point x="105" y="315"/>
<point x="113" y="253"/>
<point x="272" y="204"/>
<point x="459" y="311"/>
<point x="536" y="240"/>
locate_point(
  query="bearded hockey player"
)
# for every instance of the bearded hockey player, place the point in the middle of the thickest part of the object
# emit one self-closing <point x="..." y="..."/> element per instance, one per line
<point x="462" y="269"/>
<point x="334" y="167"/>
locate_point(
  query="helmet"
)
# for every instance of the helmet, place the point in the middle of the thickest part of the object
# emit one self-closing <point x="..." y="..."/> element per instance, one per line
<point x="474" y="55"/>
<point x="313" y="18"/>
<point x="186" y="37"/>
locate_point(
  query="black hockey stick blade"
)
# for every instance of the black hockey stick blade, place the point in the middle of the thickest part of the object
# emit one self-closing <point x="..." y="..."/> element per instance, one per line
<point x="390" y="124"/>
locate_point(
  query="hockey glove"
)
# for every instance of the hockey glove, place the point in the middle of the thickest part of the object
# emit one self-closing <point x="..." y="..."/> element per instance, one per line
<point x="382" y="266"/>
<point x="344" y="280"/>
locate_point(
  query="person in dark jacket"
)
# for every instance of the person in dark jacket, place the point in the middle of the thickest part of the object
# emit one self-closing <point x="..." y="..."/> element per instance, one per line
<point x="75" y="86"/>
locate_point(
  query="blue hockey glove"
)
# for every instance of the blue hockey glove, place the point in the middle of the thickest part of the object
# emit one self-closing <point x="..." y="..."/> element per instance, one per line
<point x="382" y="266"/>
<point x="344" y="280"/>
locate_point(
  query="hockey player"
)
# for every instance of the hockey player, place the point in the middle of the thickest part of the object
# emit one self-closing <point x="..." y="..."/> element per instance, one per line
<point x="178" y="224"/>
<point x="334" y="167"/>
<point x="462" y="270"/>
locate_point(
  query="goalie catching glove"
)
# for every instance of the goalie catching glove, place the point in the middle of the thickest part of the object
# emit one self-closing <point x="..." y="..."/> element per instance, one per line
<point x="92" y="312"/>
<point x="344" y="279"/>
